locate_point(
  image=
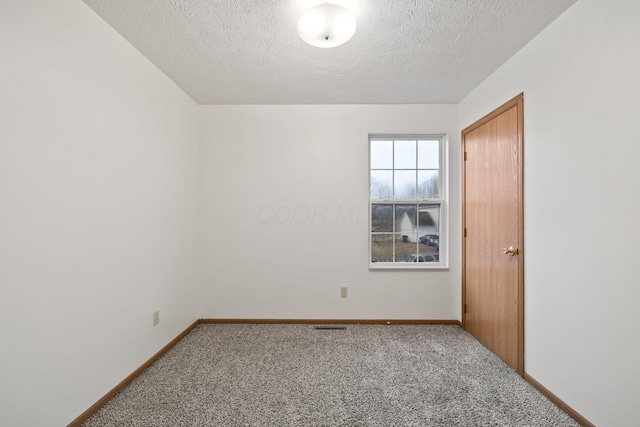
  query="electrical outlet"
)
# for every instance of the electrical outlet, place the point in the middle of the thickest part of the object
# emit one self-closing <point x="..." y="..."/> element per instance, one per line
<point x="343" y="292"/>
<point x="156" y="317"/>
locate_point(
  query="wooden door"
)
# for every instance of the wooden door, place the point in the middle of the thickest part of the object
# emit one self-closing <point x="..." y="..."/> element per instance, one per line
<point x="492" y="211"/>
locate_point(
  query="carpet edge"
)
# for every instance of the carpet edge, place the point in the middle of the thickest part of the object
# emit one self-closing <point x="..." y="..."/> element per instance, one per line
<point x="558" y="402"/>
<point x="330" y="321"/>
<point x="111" y="394"/>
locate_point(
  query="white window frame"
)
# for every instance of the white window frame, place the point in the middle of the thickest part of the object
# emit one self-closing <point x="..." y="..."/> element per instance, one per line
<point x="442" y="201"/>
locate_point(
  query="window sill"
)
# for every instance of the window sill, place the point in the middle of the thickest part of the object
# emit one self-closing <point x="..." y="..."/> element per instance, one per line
<point x="410" y="266"/>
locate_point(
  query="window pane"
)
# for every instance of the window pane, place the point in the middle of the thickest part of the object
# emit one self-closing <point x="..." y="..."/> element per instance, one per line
<point x="428" y="184"/>
<point x="406" y="250"/>
<point x="381" y="184"/>
<point x="381" y="154"/>
<point x="404" y="155"/>
<point x="404" y="184"/>
<point x="430" y="252"/>
<point x="381" y="218"/>
<point x="429" y="231"/>
<point x="382" y="248"/>
<point x="405" y="223"/>
<point x="429" y="154"/>
<point x="429" y="219"/>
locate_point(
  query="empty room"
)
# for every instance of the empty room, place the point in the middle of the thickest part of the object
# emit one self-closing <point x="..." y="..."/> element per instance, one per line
<point x="218" y="212"/>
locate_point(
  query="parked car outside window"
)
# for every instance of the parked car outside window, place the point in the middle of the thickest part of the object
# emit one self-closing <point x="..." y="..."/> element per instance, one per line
<point x="421" y="258"/>
<point x="430" y="240"/>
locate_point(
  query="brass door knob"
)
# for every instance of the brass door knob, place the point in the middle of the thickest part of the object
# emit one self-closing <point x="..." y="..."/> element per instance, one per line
<point x="510" y="251"/>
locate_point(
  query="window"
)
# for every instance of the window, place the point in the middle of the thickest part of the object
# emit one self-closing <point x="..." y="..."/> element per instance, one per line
<point x="407" y="201"/>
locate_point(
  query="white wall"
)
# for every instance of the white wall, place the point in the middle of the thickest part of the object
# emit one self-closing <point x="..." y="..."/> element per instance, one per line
<point x="99" y="185"/>
<point x="286" y="208"/>
<point x="580" y="79"/>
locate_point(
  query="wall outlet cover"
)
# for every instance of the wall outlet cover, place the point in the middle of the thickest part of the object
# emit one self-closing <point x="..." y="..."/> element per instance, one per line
<point x="156" y="317"/>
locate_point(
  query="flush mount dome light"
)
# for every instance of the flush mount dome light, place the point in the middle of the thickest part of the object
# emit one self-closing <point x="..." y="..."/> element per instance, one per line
<point x="326" y="25"/>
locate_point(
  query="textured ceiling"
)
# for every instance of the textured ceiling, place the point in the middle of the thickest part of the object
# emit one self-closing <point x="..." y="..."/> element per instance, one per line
<point x="404" y="51"/>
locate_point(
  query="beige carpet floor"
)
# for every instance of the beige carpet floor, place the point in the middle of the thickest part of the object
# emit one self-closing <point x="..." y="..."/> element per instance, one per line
<point x="295" y="375"/>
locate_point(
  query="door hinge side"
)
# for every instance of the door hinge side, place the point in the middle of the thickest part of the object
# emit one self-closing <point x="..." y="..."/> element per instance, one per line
<point x="465" y="232"/>
<point x="465" y="308"/>
<point x="465" y="156"/>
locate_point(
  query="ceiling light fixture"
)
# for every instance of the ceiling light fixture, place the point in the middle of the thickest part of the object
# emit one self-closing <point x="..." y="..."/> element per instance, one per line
<point x="326" y="25"/>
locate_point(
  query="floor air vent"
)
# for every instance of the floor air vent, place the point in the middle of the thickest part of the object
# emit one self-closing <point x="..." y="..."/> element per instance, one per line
<point x="330" y="328"/>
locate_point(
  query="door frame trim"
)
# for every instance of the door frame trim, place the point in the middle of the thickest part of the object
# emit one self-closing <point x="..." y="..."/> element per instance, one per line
<point x="517" y="102"/>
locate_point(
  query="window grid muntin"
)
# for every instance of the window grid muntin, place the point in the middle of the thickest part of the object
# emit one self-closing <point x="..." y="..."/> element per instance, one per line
<point x="416" y="139"/>
<point x="395" y="230"/>
<point x="439" y="201"/>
